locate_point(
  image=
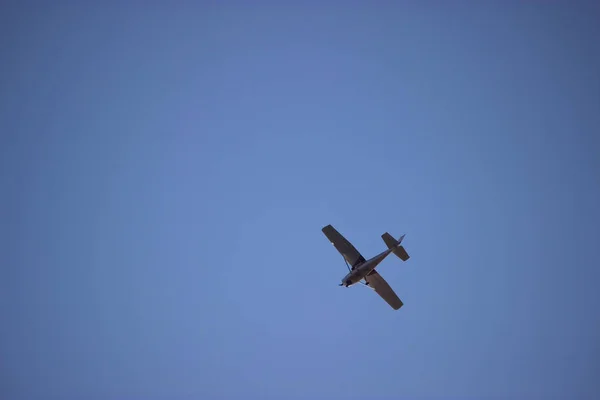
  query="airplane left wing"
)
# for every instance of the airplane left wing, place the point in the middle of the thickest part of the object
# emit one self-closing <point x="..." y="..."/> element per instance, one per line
<point x="343" y="246"/>
<point x="383" y="289"/>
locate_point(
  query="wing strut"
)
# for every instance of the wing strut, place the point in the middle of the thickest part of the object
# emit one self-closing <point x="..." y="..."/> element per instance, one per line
<point x="347" y="265"/>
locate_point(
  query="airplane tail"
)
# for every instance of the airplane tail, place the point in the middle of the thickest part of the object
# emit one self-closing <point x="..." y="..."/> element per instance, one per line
<point x="394" y="244"/>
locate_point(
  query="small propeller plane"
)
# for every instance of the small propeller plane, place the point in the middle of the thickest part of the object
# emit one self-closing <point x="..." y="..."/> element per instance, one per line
<point x="361" y="269"/>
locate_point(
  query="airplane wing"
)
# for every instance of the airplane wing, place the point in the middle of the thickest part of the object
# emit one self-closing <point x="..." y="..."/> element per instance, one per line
<point x="383" y="289"/>
<point x="343" y="246"/>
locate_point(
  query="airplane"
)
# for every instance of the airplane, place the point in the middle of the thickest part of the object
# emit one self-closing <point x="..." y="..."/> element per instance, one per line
<point x="361" y="269"/>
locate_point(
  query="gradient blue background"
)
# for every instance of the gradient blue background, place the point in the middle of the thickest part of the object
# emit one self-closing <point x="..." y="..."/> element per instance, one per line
<point x="166" y="171"/>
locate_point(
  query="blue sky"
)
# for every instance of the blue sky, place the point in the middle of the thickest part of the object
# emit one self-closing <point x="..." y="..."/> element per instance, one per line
<point x="166" y="170"/>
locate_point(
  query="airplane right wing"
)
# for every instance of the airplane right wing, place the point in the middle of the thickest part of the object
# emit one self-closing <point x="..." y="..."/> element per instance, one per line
<point x="343" y="246"/>
<point x="383" y="289"/>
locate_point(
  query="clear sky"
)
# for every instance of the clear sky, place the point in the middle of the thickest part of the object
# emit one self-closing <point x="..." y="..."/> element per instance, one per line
<point x="166" y="172"/>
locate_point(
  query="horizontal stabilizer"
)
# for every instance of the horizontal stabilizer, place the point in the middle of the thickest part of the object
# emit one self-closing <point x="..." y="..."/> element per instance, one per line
<point x="394" y="244"/>
<point x="401" y="253"/>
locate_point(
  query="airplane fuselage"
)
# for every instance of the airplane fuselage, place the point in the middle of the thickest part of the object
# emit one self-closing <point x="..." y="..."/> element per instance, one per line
<point x="362" y="270"/>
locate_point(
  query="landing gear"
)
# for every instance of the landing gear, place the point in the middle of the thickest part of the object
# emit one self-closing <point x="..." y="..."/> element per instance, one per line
<point x="367" y="285"/>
